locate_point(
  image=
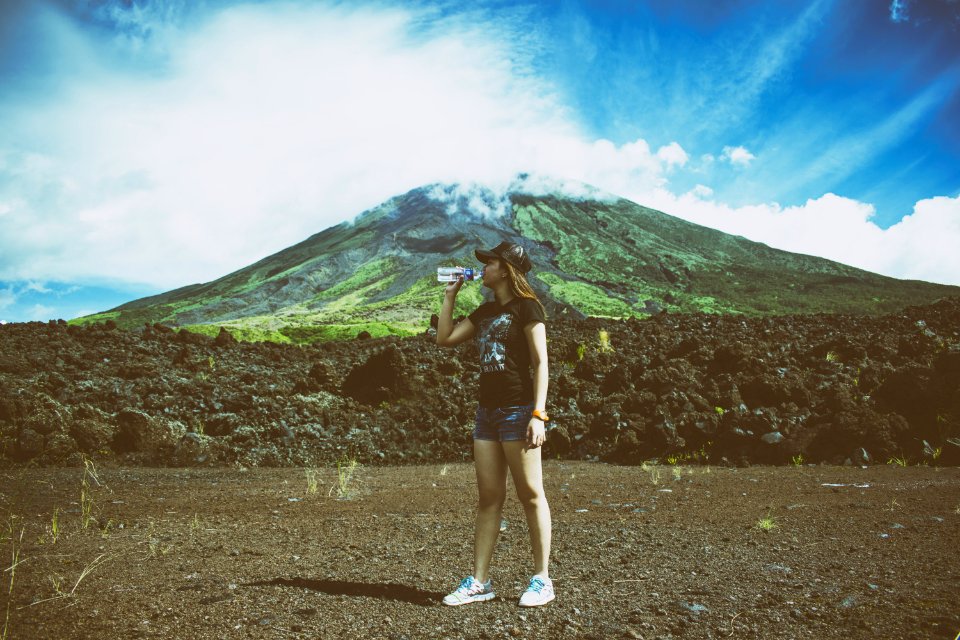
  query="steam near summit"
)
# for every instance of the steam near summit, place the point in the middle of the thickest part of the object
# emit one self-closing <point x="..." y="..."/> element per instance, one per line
<point x="493" y="200"/>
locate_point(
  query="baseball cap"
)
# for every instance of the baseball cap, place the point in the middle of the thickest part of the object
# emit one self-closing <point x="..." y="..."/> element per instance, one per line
<point x="508" y="252"/>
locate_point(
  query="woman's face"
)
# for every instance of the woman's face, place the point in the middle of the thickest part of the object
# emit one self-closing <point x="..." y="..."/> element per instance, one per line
<point x="493" y="272"/>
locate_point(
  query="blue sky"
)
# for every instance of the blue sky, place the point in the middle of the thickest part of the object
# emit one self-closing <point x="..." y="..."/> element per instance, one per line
<point x="151" y="145"/>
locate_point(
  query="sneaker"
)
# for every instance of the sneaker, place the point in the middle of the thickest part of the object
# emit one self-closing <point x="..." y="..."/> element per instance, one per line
<point x="540" y="592"/>
<point x="470" y="590"/>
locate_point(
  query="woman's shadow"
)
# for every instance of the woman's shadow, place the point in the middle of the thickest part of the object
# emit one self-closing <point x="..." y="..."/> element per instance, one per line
<point x="391" y="591"/>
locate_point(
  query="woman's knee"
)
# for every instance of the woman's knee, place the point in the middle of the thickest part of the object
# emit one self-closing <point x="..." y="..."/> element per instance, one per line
<point x="490" y="498"/>
<point x="530" y="497"/>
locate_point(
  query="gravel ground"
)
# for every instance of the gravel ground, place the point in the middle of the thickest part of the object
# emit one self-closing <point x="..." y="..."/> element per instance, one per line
<point x="639" y="552"/>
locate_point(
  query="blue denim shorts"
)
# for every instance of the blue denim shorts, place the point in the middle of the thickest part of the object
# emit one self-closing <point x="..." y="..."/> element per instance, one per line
<point x="503" y="424"/>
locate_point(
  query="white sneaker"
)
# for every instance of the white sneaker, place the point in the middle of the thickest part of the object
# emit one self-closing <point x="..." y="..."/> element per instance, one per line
<point x="540" y="592"/>
<point x="470" y="590"/>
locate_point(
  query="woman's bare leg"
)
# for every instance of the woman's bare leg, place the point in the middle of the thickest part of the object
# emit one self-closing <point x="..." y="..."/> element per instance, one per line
<point x="527" y="472"/>
<point x="491" y="470"/>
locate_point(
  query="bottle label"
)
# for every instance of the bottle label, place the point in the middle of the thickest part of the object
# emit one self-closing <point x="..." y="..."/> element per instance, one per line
<point x="450" y="274"/>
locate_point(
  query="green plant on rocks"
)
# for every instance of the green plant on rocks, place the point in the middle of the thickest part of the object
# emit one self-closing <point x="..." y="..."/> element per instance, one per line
<point x="766" y="524"/>
<point x="312" y="480"/>
<point x="345" y="471"/>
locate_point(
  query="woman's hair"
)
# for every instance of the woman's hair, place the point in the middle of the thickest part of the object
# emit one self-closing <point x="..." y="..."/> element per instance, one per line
<point x="519" y="285"/>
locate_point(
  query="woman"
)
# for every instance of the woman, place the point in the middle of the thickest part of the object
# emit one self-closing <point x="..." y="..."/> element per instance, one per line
<point x="511" y="417"/>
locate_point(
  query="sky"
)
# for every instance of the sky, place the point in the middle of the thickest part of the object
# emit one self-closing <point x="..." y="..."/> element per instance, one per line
<point x="145" y="146"/>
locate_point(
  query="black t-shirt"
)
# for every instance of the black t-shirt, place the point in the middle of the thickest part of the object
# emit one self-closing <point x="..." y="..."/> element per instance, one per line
<point x="504" y="354"/>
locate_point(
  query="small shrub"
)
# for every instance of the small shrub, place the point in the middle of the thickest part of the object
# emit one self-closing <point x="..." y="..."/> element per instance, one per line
<point x="345" y="471"/>
<point x="604" y="339"/>
<point x="653" y="471"/>
<point x="797" y="460"/>
<point x="766" y="524"/>
<point x="312" y="480"/>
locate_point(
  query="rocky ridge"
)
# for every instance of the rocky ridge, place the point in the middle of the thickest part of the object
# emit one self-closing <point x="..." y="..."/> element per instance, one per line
<point x="718" y="389"/>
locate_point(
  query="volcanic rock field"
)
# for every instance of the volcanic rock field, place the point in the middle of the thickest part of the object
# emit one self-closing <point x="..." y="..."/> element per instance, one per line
<point x="717" y="389"/>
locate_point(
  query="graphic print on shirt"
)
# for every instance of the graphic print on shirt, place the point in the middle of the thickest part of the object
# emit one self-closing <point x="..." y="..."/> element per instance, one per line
<point x="491" y="341"/>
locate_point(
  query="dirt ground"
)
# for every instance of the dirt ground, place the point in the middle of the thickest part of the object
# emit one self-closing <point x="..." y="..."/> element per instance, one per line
<point x="638" y="552"/>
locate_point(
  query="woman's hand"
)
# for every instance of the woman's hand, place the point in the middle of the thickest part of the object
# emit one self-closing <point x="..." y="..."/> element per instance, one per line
<point x="536" y="433"/>
<point x="453" y="288"/>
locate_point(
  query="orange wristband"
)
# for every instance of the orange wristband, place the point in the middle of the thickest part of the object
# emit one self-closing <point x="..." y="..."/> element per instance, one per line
<point x="539" y="414"/>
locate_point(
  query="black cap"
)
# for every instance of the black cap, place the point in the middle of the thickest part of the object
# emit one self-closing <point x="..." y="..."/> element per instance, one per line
<point x="508" y="252"/>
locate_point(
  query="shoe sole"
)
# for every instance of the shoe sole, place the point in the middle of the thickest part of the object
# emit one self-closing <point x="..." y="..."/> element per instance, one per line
<point x="540" y="604"/>
<point x="481" y="598"/>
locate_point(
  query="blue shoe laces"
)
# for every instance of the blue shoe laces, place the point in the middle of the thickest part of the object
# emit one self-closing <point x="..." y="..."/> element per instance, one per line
<point x="468" y="582"/>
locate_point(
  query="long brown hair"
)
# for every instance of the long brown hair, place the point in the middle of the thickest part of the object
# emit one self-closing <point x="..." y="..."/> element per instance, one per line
<point x="519" y="286"/>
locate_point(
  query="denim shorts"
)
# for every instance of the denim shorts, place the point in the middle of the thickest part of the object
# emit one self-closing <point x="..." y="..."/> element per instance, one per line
<point x="503" y="424"/>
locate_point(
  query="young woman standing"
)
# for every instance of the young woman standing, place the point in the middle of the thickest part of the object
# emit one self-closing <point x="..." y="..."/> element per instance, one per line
<point x="510" y="426"/>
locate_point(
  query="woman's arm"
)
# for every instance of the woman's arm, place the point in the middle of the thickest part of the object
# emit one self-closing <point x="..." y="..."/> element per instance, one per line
<point x="447" y="334"/>
<point x="536" y="333"/>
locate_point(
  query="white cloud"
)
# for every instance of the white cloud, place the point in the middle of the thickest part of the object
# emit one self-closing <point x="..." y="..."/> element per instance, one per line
<point x="493" y="199"/>
<point x="922" y="246"/>
<point x="701" y="191"/>
<point x="673" y="154"/>
<point x="737" y="156"/>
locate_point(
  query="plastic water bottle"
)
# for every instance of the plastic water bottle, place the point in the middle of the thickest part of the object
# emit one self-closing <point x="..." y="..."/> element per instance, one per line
<point x="450" y="274"/>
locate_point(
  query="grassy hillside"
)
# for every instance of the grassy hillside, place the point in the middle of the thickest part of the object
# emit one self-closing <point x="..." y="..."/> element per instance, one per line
<point x="623" y="254"/>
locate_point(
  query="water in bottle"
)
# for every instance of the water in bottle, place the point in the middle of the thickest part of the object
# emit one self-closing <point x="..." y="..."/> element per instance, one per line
<point x="450" y="274"/>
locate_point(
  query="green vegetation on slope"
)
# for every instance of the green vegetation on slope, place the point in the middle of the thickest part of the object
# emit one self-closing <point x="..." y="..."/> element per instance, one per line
<point x="589" y="299"/>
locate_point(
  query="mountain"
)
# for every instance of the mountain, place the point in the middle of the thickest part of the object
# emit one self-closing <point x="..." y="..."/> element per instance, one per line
<point x="594" y="255"/>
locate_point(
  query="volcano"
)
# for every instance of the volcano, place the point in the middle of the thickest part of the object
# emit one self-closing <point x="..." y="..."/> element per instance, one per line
<point x="595" y="254"/>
